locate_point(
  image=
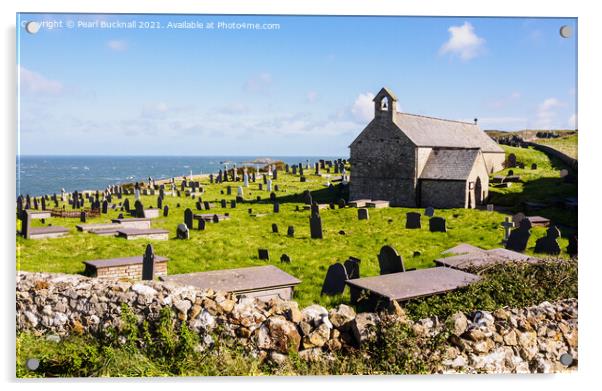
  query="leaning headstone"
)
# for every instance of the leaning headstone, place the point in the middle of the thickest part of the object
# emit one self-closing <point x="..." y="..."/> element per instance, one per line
<point x="519" y="237"/>
<point x="188" y="217"/>
<point x="437" y="224"/>
<point x="334" y="282"/>
<point x="275" y="228"/>
<point x="429" y="211"/>
<point x="549" y="243"/>
<point x="263" y="254"/>
<point x="362" y="214"/>
<point x="390" y="261"/>
<point x="284" y="258"/>
<point x="182" y="231"/>
<point x="148" y="264"/>
<point x="413" y="220"/>
<point x="291" y="230"/>
<point x="352" y="266"/>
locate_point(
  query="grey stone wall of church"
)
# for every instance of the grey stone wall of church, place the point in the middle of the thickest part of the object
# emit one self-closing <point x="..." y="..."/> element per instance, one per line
<point x="383" y="164"/>
<point x="443" y="194"/>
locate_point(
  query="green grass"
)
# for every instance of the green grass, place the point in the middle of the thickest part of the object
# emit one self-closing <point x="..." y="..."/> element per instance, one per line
<point x="233" y="243"/>
<point x="543" y="185"/>
<point x="566" y="145"/>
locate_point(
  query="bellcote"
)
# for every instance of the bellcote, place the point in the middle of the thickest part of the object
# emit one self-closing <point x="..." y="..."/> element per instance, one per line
<point x="385" y="104"/>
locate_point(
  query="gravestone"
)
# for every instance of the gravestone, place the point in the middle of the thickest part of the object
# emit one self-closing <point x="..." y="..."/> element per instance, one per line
<point x="148" y="264"/>
<point x="510" y="172"/>
<point x="315" y="223"/>
<point x="490" y="207"/>
<point x="19" y="205"/>
<point x="508" y="224"/>
<point x="534" y="166"/>
<point x="520" y="165"/>
<point x="229" y="190"/>
<point x="188" y="217"/>
<point x="276" y="207"/>
<point x="82" y="217"/>
<point x="284" y="258"/>
<point x="342" y="203"/>
<point x="182" y="231"/>
<point x="105" y="207"/>
<point x="120" y="216"/>
<point x="223" y="203"/>
<point x="511" y="161"/>
<point x="294" y="170"/>
<point x="269" y="185"/>
<point x="413" y="220"/>
<point x="519" y="237"/>
<point x="165" y="211"/>
<point x="429" y="211"/>
<point x="263" y="254"/>
<point x="260" y="187"/>
<point x="437" y="224"/>
<point x="272" y="197"/>
<point x="159" y="202"/>
<point x="362" y="214"/>
<point x="276" y="188"/>
<point x="275" y="174"/>
<point x="307" y="198"/>
<point x="291" y="230"/>
<point x="139" y="208"/>
<point x="275" y="228"/>
<point x="207" y="205"/>
<point x="564" y="173"/>
<point x="233" y="203"/>
<point x="334" y="282"/>
<point x="390" y="261"/>
<point x="44" y="204"/>
<point x="303" y="179"/>
<point x="549" y="244"/>
<point x="201" y="224"/>
<point x="517" y="218"/>
<point x="571" y="249"/>
<point x="352" y="266"/>
<point x="239" y="192"/>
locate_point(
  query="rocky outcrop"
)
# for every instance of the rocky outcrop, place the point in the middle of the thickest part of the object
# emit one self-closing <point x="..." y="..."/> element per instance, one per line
<point x="542" y="338"/>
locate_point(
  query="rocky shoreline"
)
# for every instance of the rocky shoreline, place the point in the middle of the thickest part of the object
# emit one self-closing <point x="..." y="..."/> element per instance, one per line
<point x="538" y="339"/>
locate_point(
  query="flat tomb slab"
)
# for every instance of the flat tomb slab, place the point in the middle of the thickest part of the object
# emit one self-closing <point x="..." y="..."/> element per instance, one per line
<point x="129" y="267"/>
<point x="209" y="217"/>
<point x="358" y="203"/>
<point x="105" y="231"/>
<point x="413" y="284"/>
<point x="133" y="233"/>
<point x="264" y="282"/>
<point x="538" y="221"/>
<point x="151" y="213"/>
<point x="99" y="226"/>
<point x="47" y="232"/>
<point x="484" y="258"/>
<point x="134" y="222"/>
<point x="377" y="204"/>
<point x="463" y="248"/>
<point x="39" y="214"/>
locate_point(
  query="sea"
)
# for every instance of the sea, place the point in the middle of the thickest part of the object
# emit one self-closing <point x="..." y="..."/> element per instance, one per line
<point x="40" y="175"/>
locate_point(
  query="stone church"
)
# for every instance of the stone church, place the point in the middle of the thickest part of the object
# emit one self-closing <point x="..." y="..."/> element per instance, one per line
<point x="417" y="161"/>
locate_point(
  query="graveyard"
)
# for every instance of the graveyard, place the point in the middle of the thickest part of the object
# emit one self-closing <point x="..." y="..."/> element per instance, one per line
<point x="244" y="228"/>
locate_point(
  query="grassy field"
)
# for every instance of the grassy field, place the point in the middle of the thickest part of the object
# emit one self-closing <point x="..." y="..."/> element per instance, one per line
<point x="234" y="243"/>
<point x="566" y="145"/>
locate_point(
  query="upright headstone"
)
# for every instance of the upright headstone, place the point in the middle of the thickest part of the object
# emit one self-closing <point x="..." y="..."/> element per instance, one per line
<point x="362" y="214"/>
<point x="201" y="224"/>
<point x="315" y="223"/>
<point x="25" y="224"/>
<point x="352" y="266"/>
<point x="233" y="203"/>
<point x="334" y="282"/>
<point x="429" y="211"/>
<point x="263" y="254"/>
<point x="276" y="207"/>
<point x="571" y="249"/>
<point x="139" y="209"/>
<point x="273" y="197"/>
<point x="82" y="217"/>
<point x="105" y="207"/>
<point x="43" y="203"/>
<point x="275" y="228"/>
<point x="519" y="237"/>
<point x="437" y="224"/>
<point x="413" y="220"/>
<point x="275" y="174"/>
<point x="549" y="244"/>
<point x="148" y="264"/>
<point x="159" y="202"/>
<point x="284" y="258"/>
<point x="182" y="232"/>
<point x="390" y="261"/>
<point x="165" y="211"/>
<point x="290" y="232"/>
<point x="511" y="161"/>
<point x="188" y="217"/>
<point x="126" y="205"/>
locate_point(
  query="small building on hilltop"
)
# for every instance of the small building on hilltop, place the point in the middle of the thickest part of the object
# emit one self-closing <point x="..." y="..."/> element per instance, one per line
<point x="417" y="161"/>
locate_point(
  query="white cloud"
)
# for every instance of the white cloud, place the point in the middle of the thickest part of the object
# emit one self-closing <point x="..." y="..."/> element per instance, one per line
<point x="34" y="82"/>
<point x="363" y="107"/>
<point x="573" y="121"/>
<point x="546" y="114"/>
<point x="463" y="42"/>
<point x="117" y="45"/>
<point x="259" y="83"/>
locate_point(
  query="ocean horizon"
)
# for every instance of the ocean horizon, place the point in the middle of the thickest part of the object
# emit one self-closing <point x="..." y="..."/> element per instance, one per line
<point x="47" y="174"/>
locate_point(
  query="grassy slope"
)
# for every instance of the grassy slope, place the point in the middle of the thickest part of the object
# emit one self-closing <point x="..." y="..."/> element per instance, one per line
<point x="234" y="243"/>
<point x="566" y="145"/>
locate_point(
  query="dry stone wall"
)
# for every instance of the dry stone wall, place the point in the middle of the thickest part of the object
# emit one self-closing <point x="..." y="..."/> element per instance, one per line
<point x="506" y="341"/>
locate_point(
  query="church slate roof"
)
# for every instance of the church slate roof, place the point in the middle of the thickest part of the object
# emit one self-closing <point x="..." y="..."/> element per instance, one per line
<point x="450" y="164"/>
<point x="434" y="132"/>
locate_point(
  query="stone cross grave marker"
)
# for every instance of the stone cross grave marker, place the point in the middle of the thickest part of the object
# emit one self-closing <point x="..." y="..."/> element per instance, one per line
<point x="390" y="261"/>
<point x="362" y="214"/>
<point x="334" y="282"/>
<point x="188" y="216"/>
<point x="437" y="224"/>
<point x="508" y="224"/>
<point x="148" y="264"/>
<point x="519" y="237"/>
<point x="549" y="244"/>
<point x="429" y="211"/>
<point x="239" y="192"/>
<point x="182" y="232"/>
<point x="413" y="220"/>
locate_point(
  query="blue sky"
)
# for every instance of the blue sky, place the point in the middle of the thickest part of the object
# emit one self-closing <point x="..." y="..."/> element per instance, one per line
<point x="303" y="88"/>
